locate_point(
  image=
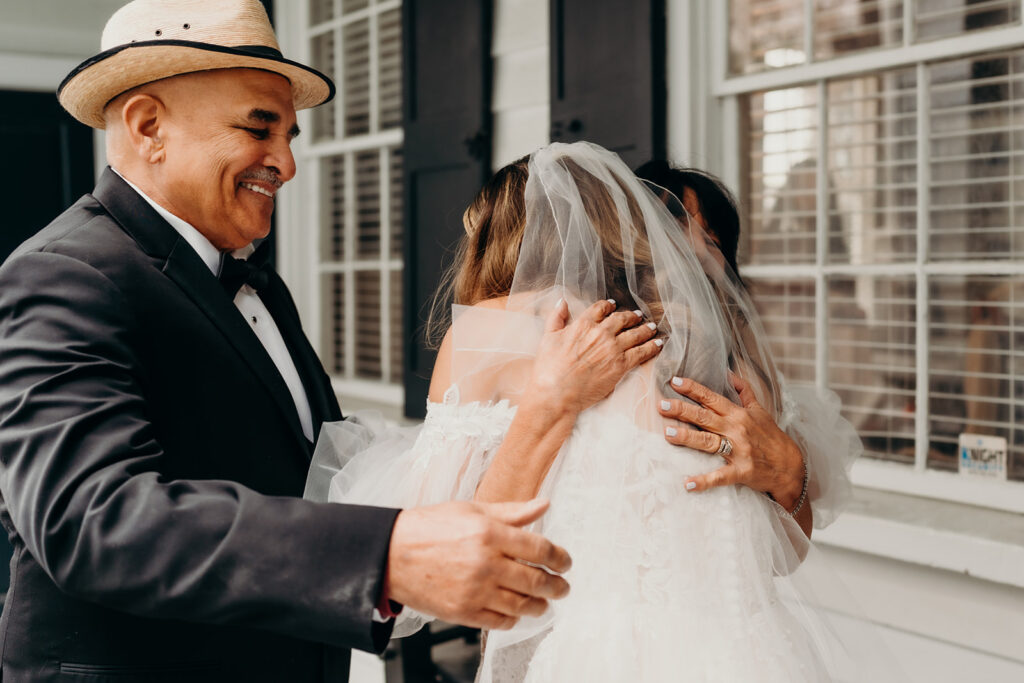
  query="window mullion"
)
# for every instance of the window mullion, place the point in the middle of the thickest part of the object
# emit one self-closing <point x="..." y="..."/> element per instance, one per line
<point x="821" y="242"/>
<point x="731" y="145"/>
<point x="313" y="229"/>
<point x="909" y="7"/>
<point x="350" y="276"/>
<point x="808" y="31"/>
<point x="921" y="413"/>
<point x="384" y="216"/>
<point x="339" y="91"/>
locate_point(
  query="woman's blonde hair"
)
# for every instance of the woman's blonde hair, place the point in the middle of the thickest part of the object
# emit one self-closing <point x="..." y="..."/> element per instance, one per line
<point x="486" y="257"/>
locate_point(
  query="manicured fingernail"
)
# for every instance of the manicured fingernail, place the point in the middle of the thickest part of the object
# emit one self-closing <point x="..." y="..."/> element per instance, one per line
<point x="653" y="326"/>
<point x="677" y="381"/>
<point x="665" y="405"/>
<point x="611" y="301"/>
<point x="659" y="343"/>
<point x="671" y="431"/>
<point x="638" y="313"/>
<point x="691" y="485"/>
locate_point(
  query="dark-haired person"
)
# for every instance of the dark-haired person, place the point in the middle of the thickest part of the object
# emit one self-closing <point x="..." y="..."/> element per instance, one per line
<point x="810" y="447"/>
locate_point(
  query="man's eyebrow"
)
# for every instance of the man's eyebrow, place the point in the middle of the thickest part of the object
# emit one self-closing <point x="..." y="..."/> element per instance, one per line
<point x="264" y="116"/>
<point x="294" y="131"/>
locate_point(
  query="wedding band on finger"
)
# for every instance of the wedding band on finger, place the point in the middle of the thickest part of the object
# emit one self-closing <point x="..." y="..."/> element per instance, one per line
<point x="724" y="446"/>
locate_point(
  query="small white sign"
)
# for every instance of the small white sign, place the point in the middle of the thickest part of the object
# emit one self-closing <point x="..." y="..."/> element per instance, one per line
<point x="983" y="456"/>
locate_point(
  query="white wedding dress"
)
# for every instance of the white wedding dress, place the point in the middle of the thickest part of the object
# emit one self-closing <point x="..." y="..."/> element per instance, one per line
<point x="666" y="585"/>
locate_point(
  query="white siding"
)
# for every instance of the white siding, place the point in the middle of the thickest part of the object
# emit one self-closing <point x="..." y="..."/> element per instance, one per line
<point x="520" y="99"/>
<point x="939" y="625"/>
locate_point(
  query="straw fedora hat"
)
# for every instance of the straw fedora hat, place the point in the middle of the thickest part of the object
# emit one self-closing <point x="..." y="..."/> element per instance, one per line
<point x="147" y="40"/>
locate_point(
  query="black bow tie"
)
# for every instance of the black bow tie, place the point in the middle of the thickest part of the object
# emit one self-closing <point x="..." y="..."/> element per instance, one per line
<point x="255" y="272"/>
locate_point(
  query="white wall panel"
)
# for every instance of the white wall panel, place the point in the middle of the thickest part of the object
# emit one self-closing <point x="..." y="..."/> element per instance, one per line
<point x="520" y="101"/>
<point x="519" y="25"/>
<point x="518" y="132"/>
<point x="962" y="616"/>
<point x="520" y="79"/>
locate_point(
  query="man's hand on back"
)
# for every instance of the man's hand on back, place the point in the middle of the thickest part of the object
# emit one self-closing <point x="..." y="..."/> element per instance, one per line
<point x="466" y="563"/>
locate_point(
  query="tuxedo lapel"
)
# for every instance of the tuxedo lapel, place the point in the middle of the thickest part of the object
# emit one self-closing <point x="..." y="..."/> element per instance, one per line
<point x="319" y="392"/>
<point x="189" y="272"/>
<point x="183" y="266"/>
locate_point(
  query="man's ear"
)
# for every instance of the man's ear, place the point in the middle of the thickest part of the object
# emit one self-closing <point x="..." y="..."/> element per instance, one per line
<point x="143" y="115"/>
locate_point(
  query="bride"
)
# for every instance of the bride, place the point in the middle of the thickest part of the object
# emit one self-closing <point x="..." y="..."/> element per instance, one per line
<point x="667" y="583"/>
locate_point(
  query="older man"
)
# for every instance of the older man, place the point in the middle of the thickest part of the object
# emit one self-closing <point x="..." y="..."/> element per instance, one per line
<point x="156" y="423"/>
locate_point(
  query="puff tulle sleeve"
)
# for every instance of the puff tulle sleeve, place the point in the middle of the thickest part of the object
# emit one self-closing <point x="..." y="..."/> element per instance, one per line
<point x="813" y="419"/>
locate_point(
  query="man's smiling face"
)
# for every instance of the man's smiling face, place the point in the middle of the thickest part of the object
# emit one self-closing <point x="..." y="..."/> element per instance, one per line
<point x="227" y="137"/>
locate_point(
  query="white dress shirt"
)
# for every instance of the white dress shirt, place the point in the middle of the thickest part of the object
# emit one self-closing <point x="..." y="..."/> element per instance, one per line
<point x="249" y="305"/>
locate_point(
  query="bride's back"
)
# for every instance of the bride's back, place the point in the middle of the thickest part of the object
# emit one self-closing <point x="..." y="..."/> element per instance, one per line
<point x="572" y="222"/>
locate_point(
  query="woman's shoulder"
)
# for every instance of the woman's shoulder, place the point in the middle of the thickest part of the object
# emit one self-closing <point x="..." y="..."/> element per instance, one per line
<point x="500" y="302"/>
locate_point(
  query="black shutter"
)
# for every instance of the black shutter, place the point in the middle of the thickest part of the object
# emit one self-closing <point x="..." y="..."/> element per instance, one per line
<point x="51" y="166"/>
<point x="446" y="73"/>
<point x="608" y="75"/>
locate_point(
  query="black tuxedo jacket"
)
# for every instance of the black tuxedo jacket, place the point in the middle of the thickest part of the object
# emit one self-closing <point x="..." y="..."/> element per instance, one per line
<point x="152" y="466"/>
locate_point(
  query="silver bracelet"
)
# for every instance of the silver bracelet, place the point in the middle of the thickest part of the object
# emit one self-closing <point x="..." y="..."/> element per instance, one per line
<point x="803" y="491"/>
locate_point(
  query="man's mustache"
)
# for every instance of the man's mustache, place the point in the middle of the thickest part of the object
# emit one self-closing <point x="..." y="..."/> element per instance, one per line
<point x="264" y="175"/>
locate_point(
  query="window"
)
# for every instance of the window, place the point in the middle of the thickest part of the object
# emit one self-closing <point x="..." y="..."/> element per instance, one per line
<point x="881" y="167"/>
<point x="355" y="159"/>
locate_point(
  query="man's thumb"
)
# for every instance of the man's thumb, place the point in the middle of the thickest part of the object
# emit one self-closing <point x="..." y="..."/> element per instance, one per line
<point x="517" y="513"/>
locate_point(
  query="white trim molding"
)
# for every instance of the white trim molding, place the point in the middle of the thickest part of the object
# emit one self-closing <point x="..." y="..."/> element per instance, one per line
<point x="984" y="544"/>
<point x="34" y="73"/>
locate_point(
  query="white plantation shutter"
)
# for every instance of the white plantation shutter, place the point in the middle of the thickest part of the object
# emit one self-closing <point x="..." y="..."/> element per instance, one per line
<point x="943" y="18"/>
<point x="871" y="359"/>
<point x="976" y="352"/>
<point x="367" y="196"/>
<point x="782" y="196"/>
<point x="843" y="27"/>
<point x="323" y="56"/>
<point x="771" y="34"/>
<point x="321" y="11"/>
<point x="884" y="218"/>
<point x="334" y="356"/>
<point x="389" y="61"/>
<point x="872" y="168"/>
<point x="766" y="34"/>
<point x="350" y="6"/>
<point x="355" y="41"/>
<point x="786" y="308"/>
<point x="357" y="145"/>
<point x="975" y="182"/>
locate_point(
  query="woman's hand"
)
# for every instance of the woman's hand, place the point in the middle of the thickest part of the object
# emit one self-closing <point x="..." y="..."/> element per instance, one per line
<point x="576" y="366"/>
<point x="579" y="364"/>
<point x="763" y="457"/>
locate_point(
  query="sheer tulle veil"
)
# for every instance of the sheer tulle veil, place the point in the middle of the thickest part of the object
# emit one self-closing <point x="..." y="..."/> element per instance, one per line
<point x="651" y="562"/>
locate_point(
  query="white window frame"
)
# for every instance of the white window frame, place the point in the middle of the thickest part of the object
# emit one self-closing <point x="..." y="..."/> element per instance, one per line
<point x="301" y="214"/>
<point x="703" y="131"/>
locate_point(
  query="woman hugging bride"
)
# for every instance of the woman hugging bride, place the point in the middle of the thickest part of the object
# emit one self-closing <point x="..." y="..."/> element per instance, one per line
<point x="670" y="581"/>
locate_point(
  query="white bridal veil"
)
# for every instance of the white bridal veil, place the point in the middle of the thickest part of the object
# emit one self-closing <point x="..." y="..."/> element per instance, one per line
<point x="666" y="585"/>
